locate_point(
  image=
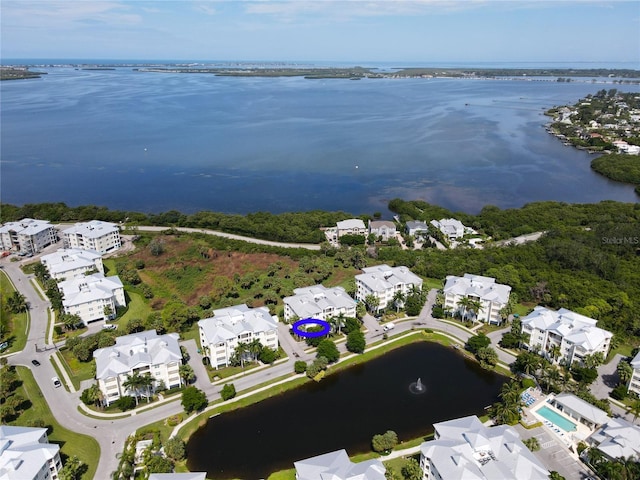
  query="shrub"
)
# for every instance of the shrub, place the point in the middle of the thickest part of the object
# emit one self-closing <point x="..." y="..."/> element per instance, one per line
<point x="193" y="399"/>
<point x="174" y="420"/>
<point x="527" y="382"/>
<point x="356" y="342"/>
<point x="384" y="442"/>
<point x="300" y="366"/>
<point x="328" y="350"/>
<point x="620" y="392"/>
<point x="477" y="342"/>
<point x="268" y="355"/>
<point x="175" y="448"/>
<point x="125" y="403"/>
<point x="228" y="391"/>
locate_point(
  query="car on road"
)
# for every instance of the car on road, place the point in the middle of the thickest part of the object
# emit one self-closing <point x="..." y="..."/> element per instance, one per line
<point x="36" y="363"/>
<point x="56" y="382"/>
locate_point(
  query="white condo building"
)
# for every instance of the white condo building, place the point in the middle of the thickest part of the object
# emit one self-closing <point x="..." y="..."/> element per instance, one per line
<point x="575" y="335"/>
<point x="383" y="281"/>
<point x="617" y="438"/>
<point x="103" y="237"/>
<point x="143" y="353"/>
<point x="383" y="229"/>
<point x="319" y="302"/>
<point x="220" y="334"/>
<point x="466" y="449"/>
<point x="634" y="383"/>
<point x="26" y="454"/>
<point x="491" y="295"/>
<point x="27" y="235"/>
<point x="88" y="296"/>
<point x="337" y="466"/>
<point x="70" y="263"/>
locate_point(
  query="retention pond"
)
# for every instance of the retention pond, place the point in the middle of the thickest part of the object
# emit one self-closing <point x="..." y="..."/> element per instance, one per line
<point x="344" y="410"/>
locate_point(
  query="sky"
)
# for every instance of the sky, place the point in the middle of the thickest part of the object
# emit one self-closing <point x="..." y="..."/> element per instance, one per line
<point x="419" y="31"/>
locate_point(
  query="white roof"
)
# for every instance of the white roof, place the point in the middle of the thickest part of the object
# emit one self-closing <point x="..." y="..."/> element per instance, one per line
<point x="573" y="327"/>
<point x="136" y="350"/>
<point x="485" y="288"/>
<point x="417" y="225"/>
<point x="228" y="323"/>
<point x="310" y="301"/>
<point x="383" y="277"/>
<point x="582" y="408"/>
<point x="337" y="466"/>
<point x="350" y="223"/>
<point x="375" y="224"/>
<point x="67" y="259"/>
<point x="635" y="363"/>
<point x="467" y="450"/>
<point x="618" y="438"/>
<point x="26" y="226"/>
<point x="81" y="290"/>
<point x="92" y="229"/>
<point x="21" y="455"/>
<point x="448" y="225"/>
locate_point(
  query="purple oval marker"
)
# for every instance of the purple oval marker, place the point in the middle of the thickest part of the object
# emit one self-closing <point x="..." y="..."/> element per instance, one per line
<point x="326" y="328"/>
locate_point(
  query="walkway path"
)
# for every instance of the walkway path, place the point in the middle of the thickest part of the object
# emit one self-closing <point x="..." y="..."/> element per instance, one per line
<point x="308" y="246"/>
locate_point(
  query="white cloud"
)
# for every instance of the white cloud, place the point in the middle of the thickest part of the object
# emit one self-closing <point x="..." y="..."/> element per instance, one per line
<point x="66" y="13"/>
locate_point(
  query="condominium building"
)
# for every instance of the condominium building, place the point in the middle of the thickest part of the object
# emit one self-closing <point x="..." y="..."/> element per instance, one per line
<point x="634" y="383"/>
<point x="143" y="353"/>
<point x="220" y="334"/>
<point x="466" y="449"/>
<point x="103" y="237"/>
<point x="383" y="282"/>
<point x="319" y="302"/>
<point x="352" y="226"/>
<point x="91" y="297"/>
<point x="617" y="438"/>
<point x="27" y="236"/>
<point x="26" y="454"/>
<point x="491" y="295"/>
<point x="70" y="263"/>
<point x="337" y="466"/>
<point x="563" y="335"/>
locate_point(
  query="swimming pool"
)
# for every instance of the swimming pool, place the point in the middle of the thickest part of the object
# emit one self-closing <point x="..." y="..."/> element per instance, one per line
<point x="557" y="419"/>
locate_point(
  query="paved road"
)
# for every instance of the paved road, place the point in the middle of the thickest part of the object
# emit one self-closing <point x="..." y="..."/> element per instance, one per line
<point x="308" y="246"/>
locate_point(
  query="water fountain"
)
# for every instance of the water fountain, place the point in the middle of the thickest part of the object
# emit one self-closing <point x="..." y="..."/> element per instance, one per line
<point x="417" y="387"/>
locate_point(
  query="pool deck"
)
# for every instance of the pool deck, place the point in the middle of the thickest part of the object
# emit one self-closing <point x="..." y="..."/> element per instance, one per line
<point x="531" y="416"/>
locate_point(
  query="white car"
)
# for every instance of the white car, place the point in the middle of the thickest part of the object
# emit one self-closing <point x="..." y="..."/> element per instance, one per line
<point x="108" y="326"/>
<point x="56" y="382"/>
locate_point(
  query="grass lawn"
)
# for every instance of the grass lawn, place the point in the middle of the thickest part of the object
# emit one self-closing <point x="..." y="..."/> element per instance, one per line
<point x="523" y="309"/>
<point x="71" y="443"/>
<point x="227" y="372"/>
<point x="429" y="283"/>
<point x="77" y="370"/>
<point x="137" y="307"/>
<point x="17" y="325"/>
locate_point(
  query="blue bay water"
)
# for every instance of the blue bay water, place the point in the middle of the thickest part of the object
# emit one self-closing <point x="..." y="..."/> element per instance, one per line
<point x="154" y="141"/>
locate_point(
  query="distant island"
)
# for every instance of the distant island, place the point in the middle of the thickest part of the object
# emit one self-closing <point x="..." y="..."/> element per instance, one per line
<point x="352" y="73"/>
<point x="18" y="73"/>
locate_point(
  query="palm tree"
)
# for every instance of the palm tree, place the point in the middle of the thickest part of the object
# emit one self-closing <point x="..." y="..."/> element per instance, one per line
<point x="398" y="300"/>
<point x="255" y="347"/>
<point x="372" y="302"/>
<point x="133" y="382"/>
<point x="635" y="410"/>
<point x="477" y="308"/>
<point x="465" y="303"/>
<point x="510" y="392"/>
<point x="337" y="323"/>
<point x="554" y="352"/>
<point x="447" y="310"/>
<point x="147" y="382"/>
<point x="240" y="351"/>
<point x="186" y="373"/>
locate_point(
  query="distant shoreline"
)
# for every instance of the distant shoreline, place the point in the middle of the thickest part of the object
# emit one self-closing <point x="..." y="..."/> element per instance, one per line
<point x="283" y="70"/>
